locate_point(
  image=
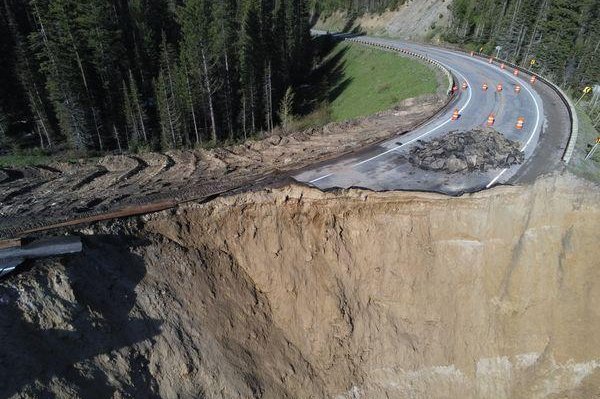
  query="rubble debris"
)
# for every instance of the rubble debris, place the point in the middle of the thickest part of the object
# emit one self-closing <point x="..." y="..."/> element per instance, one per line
<point x="475" y="150"/>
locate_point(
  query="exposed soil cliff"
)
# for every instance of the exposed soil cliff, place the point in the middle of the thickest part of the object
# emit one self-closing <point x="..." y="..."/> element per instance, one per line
<point x="296" y="293"/>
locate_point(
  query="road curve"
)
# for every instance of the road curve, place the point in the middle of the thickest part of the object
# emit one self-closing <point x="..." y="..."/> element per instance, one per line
<point x="385" y="166"/>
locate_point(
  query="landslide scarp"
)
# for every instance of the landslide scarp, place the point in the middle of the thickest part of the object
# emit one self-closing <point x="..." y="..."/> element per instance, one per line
<point x="292" y="292"/>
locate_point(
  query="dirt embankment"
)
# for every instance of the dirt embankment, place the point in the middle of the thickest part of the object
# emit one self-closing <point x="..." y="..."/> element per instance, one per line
<point x="296" y="293"/>
<point x="41" y="195"/>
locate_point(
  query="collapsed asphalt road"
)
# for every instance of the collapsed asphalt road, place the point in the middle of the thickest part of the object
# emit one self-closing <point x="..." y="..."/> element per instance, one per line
<point x="543" y="138"/>
<point x="41" y="197"/>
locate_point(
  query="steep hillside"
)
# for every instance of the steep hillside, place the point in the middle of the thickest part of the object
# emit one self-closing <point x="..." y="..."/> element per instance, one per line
<point x="292" y="292"/>
<point x="561" y="36"/>
<point x="412" y="20"/>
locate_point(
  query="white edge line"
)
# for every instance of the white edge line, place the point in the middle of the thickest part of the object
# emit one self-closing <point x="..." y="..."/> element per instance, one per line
<point x="496" y="178"/>
<point x="320" y="178"/>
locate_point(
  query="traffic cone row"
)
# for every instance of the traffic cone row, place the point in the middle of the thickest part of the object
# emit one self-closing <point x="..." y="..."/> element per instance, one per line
<point x="492" y="119"/>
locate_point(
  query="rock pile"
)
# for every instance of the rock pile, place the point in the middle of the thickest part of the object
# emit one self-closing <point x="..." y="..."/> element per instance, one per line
<point x="456" y="152"/>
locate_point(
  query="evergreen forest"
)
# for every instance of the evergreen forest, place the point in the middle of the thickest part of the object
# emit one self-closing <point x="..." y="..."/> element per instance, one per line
<point x="94" y="76"/>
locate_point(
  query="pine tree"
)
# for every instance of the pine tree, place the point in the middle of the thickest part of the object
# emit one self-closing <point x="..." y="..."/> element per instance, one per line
<point x="138" y="112"/>
<point x="223" y="34"/>
<point x="66" y="81"/>
<point x="30" y="82"/>
<point x="250" y="64"/>
<point x="194" y="18"/>
<point x="168" y="99"/>
<point x="286" y="109"/>
<point x="561" y="35"/>
<point x="4" y="123"/>
<point x="102" y="74"/>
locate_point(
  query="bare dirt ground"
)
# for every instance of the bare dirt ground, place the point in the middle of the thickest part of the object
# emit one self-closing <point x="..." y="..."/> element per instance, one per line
<point x="38" y="196"/>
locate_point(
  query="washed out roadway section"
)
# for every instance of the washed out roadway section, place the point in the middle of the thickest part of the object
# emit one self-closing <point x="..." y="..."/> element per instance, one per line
<point x="386" y="167"/>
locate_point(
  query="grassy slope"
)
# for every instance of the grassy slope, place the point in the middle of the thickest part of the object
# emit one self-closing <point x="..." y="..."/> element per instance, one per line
<point x="377" y="80"/>
<point x="587" y="135"/>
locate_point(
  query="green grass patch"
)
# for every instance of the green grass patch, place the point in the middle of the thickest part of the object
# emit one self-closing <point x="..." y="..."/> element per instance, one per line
<point x="20" y="160"/>
<point x="374" y="80"/>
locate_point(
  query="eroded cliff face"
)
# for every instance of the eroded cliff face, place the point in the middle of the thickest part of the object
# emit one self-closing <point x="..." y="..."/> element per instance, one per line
<point x="292" y="292"/>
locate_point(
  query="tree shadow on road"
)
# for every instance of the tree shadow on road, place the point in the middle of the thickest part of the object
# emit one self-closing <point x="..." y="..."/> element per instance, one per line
<point x="328" y="79"/>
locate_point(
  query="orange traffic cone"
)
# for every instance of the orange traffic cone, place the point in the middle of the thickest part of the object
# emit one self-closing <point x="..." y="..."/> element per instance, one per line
<point x="472" y="53"/>
<point x="516" y="72"/>
<point x="533" y="79"/>
<point x="520" y="122"/>
<point x="517" y="89"/>
<point x="484" y="87"/>
<point x="502" y="66"/>
<point x="499" y="87"/>
<point x="491" y="60"/>
<point x="455" y="115"/>
<point x="491" y="120"/>
<point x="464" y="86"/>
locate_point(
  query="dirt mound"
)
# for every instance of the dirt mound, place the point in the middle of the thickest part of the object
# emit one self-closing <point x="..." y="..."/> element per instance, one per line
<point x="456" y="152"/>
<point x="296" y="293"/>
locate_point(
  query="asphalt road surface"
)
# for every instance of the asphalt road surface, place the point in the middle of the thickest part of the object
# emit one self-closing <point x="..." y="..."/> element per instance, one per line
<point x="386" y="167"/>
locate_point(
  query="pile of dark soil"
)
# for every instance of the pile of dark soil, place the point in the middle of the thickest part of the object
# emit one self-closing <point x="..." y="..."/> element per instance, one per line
<point x="475" y="150"/>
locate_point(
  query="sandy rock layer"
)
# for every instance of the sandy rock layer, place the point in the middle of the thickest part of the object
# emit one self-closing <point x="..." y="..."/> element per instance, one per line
<point x="296" y="293"/>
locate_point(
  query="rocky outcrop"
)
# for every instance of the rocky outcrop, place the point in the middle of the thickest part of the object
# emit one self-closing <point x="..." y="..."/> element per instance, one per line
<point x="476" y="150"/>
<point x="292" y="292"/>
